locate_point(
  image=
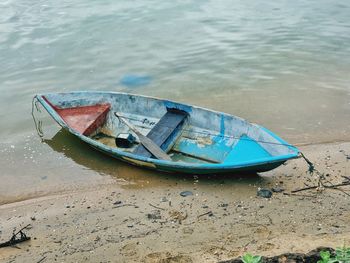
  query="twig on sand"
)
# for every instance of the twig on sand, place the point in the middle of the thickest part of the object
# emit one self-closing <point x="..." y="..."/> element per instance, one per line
<point x="157" y="207"/>
<point x="15" y="239"/>
<point x="346" y="177"/>
<point x="207" y="213"/>
<point x="126" y="205"/>
<point x="301" y="195"/>
<point x="341" y="190"/>
<point x="333" y="186"/>
<point x="41" y="260"/>
<point x="304" y="189"/>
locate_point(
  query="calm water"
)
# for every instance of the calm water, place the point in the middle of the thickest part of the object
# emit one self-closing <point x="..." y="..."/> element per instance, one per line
<point x="284" y="65"/>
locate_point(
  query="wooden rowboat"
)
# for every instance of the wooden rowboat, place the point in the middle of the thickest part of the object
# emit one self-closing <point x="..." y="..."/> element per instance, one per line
<point x="170" y="136"/>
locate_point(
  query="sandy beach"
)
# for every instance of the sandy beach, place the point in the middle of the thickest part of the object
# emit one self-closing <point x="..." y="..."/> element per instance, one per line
<point x="281" y="64"/>
<point x="222" y="219"/>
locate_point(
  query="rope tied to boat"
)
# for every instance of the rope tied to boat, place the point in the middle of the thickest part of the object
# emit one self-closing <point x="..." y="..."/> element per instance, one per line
<point x="312" y="168"/>
<point x="38" y="124"/>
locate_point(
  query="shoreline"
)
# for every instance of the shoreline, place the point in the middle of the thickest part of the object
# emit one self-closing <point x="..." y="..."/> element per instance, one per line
<point x="4" y="200"/>
<point x="223" y="219"/>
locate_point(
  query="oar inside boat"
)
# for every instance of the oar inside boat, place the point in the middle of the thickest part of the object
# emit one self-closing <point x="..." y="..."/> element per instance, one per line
<point x="151" y="146"/>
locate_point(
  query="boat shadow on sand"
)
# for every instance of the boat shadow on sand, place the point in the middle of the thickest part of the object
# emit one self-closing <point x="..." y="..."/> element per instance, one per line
<point x="71" y="147"/>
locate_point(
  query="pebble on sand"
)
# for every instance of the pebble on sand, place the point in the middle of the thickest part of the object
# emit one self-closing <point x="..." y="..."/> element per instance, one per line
<point x="266" y="193"/>
<point x="186" y="193"/>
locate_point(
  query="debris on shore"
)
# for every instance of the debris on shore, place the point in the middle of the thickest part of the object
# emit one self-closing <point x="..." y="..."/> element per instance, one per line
<point x="17" y="237"/>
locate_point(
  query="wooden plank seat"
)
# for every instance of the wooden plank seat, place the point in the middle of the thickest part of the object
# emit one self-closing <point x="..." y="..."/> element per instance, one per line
<point x="83" y="119"/>
<point x="165" y="132"/>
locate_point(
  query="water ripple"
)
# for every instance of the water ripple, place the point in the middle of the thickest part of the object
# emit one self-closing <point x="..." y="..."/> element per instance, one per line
<point x="188" y="47"/>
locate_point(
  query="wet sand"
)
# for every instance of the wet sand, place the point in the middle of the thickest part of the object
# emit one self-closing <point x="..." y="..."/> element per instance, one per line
<point x="222" y="219"/>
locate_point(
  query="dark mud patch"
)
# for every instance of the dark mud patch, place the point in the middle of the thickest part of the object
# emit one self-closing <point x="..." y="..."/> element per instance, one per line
<point x="311" y="257"/>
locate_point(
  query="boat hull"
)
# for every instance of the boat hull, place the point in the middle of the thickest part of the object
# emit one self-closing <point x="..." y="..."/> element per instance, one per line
<point x="252" y="169"/>
<point x="209" y="142"/>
